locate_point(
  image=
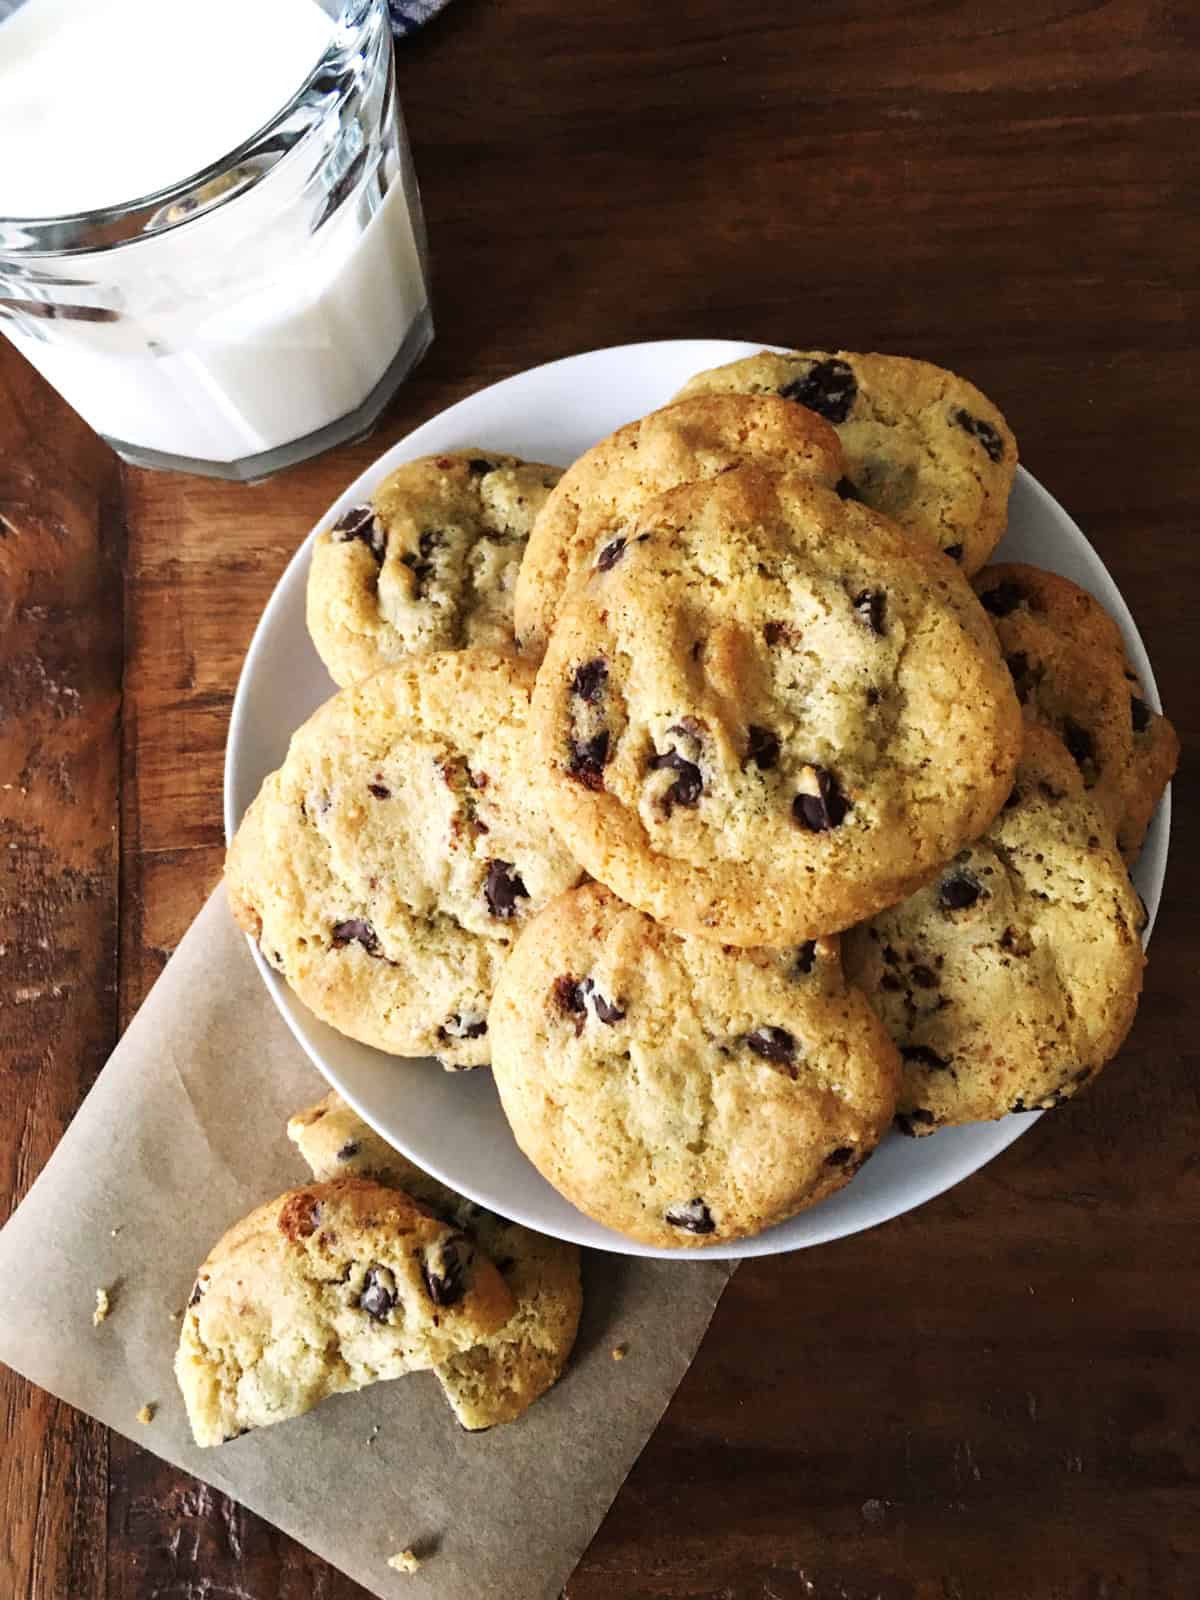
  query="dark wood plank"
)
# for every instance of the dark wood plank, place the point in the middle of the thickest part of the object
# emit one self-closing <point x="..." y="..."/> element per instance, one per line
<point x="60" y="684"/>
<point x="995" y="1396"/>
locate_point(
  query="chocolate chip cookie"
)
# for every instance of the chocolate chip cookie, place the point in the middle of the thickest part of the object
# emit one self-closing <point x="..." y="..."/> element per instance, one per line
<point x="590" y="511"/>
<point x="498" y="1379"/>
<point x="428" y="563"/>
<point x="1011" y="978"/>
<point x="329" y="1288"/>
<point x="387" y="866"/>
<point x="769" y="712"/>
<point x="678" y="1091"/>
<point x="1071" y="674"/>
<point x="922" y="445"/>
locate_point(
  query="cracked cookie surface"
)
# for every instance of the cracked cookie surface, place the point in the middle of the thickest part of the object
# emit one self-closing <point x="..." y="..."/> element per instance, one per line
<point x="1071" y="673"/>
<point x="922" y="445"/>
<point x="678" y="1091"/>
<point x="772" y="713"/>
<point x="387" y="866"/>
<point x="428" y="563"/>
<point x="498" y="1379"/>
<point x="1011" y="978"/>
<point x="600" y="495"/>
<point x="328" y="1288"/>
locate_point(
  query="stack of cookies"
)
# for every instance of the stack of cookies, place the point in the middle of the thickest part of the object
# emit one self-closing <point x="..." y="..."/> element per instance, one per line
<point x="716" y="793"/>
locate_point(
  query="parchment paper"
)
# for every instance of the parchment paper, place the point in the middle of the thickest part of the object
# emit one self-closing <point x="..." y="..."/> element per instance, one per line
<point x="182" y="1134"/>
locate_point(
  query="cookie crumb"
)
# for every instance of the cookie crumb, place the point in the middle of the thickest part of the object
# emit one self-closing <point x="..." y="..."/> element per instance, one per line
<point x="146" y="1414"/>
<point x="114" y="1232"/>
<point x="404" y="1561"/>
<point x="373" y="1435"/>
<point x="620" y="1351"/>
<point x="102" y="1307"/>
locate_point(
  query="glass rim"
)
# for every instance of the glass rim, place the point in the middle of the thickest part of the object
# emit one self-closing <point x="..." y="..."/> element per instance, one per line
<point x="126" y="222"/>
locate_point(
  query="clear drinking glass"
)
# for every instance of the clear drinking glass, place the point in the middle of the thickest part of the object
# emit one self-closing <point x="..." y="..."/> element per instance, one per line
<point x="257" y="312"/>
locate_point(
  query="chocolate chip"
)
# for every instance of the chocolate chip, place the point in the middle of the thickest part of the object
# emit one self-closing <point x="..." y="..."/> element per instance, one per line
<point x="923" y="977"/>
<point x="891" y="955"/>
<point x="356" y="931"/>
<point x="610" y="555"/>
<point x="907" y="1122"/>
<point x="197" y="1293"/>
<point x="891" y="983"/>
<point x="920" y="1055"/>
<point x="762" y="747"/>
<point x="773" y="1044"/>
<point x="958" y="891"/>
<point x="991" y="441"/>
<point x="349" y="1150"/>
<point x="420" y="564"/>
<point x="588" y="681"/>
<point x="607" y="1012"/>
<point x="954" y="551"/>
<point x="1005" y="597"/>
<point x="688" y="786"/>
<point x="569" y="997"/>
<point x="379" y="791"/>
<point x="869" y="606"/>
<point x="588" y="759"/>
<point x="845" y="490"/>
<point x="502" y="888"/>
<point x="376" y="1298"/>
<point x="447" y="1285"/>
<point x="828" y="388"/>
<point x="806" y="955"/>
<point x="361" y="523"/>
<point x="824" y="810"/>
<point x="840" y="1156"/>
<point x="1014" y="799"/>
<point x="775" y="632"/>
<point x="1078" y="741"/>
<point x="873" y="696"/>
<point x="480" y="464"/>
<point x="693" y="1216"/>
<point x="1139" y="714"/>
<point x="1018" y="666"/>
<point x="472" y="1026"/>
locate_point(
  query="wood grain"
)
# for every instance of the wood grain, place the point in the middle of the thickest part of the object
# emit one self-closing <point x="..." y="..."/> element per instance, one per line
<point x="996" y="1397"/>
<point x="60" y="684"/>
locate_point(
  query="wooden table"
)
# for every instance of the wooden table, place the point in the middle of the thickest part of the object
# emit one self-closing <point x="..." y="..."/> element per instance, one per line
<point x="994" y="1398"/>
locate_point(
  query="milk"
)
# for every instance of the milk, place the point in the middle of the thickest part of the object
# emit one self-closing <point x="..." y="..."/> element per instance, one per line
<point x="242" y="329"/>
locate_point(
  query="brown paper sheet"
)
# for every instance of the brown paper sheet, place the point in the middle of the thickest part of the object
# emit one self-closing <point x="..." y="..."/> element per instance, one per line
<point x="183" y="1133"/>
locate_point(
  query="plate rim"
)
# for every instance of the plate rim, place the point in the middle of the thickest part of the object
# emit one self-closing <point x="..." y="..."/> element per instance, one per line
<point x="1005" y="1131"/>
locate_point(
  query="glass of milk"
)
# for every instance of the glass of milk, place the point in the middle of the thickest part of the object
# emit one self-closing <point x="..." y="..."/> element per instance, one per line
<point x="211" y="240"/>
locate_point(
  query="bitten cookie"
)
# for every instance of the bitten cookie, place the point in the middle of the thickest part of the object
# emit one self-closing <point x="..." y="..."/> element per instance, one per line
<point x="329" y="1288"/>
<point x="681" y="1092"/>
<point x="769" y="712"/>
<point x="428" y="563"/>
<point x="386" y="867"/>
<point x="598" y="497"/>
<point x="1071" y="674"/>
<point x="922" y="445"/>
<point x="500" y="1378"/>
<point x="1014" y="976"/>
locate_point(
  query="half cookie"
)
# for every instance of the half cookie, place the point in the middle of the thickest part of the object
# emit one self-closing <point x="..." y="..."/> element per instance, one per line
<point x="329" y="1288"/>
<point x="498" y="1379"/>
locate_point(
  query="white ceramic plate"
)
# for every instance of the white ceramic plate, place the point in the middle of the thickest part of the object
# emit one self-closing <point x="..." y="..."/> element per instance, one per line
<point x="451" y="1123"/>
